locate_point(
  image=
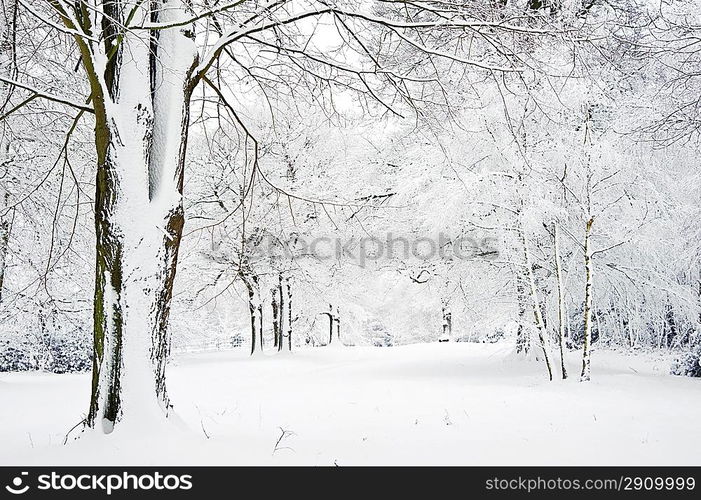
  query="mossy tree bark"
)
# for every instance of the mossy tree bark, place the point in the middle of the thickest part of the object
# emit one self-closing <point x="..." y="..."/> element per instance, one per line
<point x="141" y="82"/>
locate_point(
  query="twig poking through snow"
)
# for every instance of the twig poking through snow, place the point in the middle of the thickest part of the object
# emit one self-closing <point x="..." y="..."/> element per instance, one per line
<point x="203" y="429"/>
<point x="65" y="440"/>
<point x="446" y="418"/>
<point x="206" y="434"/>
<point x="284" y="434"/>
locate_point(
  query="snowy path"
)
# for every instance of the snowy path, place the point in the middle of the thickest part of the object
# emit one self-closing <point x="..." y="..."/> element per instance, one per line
<point x="420" y="404"/>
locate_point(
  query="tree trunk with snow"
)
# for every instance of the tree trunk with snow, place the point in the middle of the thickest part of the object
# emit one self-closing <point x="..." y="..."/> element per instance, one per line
<point x="141" y="84"/>
<point x="560" y="300"/>
<point x="5" y="226"/>
<point x="523" y="343"/>
<point x="259" y="310"/>
<point x="447" y="324"/>
<point x="331" y="323"/>
<point x="276" y="320"/>
<point x="698" y="297"/>
<point x="8" y="22"/>
<point x="537" y="312"/>
<point x="338" y="325"/>
<point x="586" y="350"/>
<point x="281" y="297"/>
<point x="334" y="326"/>
<point x="289" y="315"/>
<point x="252" y="311"/>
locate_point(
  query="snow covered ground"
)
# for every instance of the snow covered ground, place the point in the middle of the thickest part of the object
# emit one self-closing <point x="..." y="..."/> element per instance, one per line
<point x="420" y="404"/>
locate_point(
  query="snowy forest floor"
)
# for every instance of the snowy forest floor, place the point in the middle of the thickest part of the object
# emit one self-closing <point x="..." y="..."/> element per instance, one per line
<point x="452" y="403"/>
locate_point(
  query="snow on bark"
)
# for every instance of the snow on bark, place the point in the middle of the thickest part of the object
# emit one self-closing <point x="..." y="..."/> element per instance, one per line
<point x="540" y="323"/>
<point x="560" y="299"/>
<point x="8" y="15"/>
<point x="334" y="326"/>
<point x="289" y="314"/>
<point x="276" y="322"/>
<point x="141" y="139"/>
<point x="447" y="323"/>
<point x="4" y="244"/>
<point x="586" y="350"/>
<point x="283" y="304"/>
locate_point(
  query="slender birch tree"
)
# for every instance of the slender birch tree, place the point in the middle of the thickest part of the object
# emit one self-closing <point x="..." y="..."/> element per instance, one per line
<point x="561" y="315"/>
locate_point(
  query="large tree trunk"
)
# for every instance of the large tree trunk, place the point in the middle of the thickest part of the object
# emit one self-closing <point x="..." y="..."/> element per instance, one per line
<point x="586" y="351"/>
<point x="141" y="112"/>
<point x="560" y="300"/>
